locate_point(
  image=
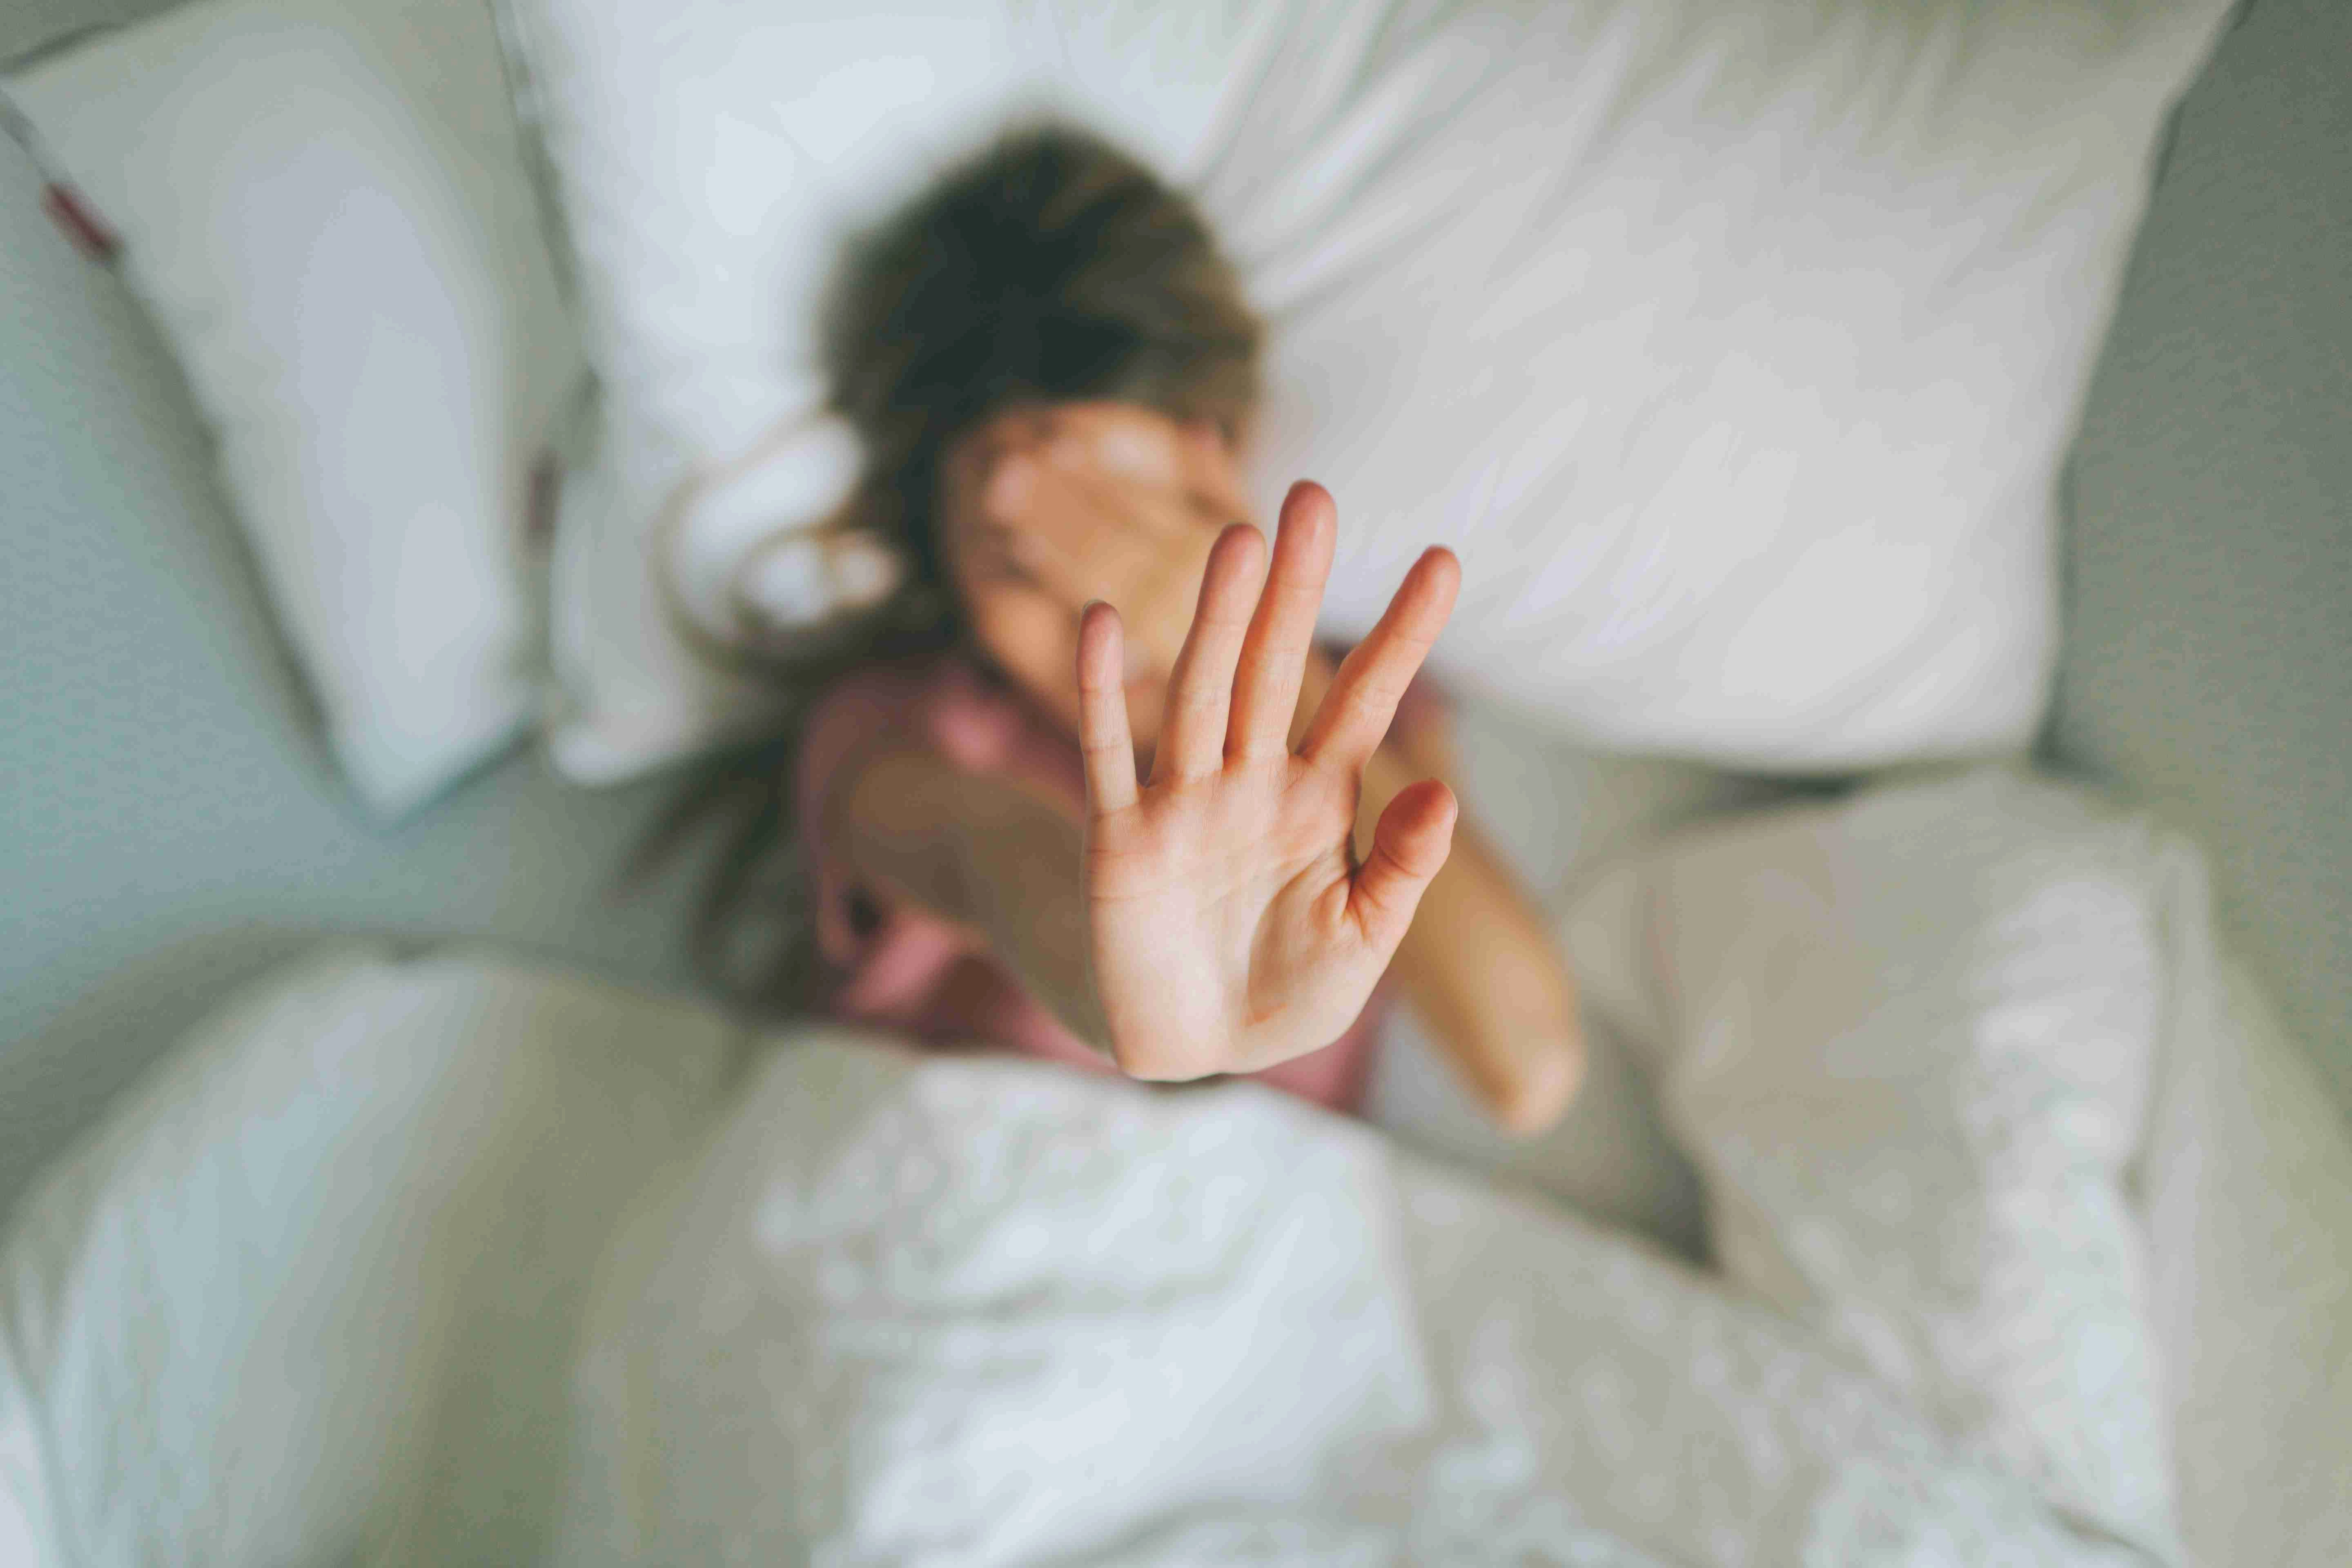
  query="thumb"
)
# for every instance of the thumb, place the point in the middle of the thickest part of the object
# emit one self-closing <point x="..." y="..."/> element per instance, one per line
<point x="1409" y="848"/>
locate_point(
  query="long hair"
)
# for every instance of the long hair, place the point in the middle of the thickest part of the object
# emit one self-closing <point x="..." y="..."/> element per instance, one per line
<point x="1051" y="267"/>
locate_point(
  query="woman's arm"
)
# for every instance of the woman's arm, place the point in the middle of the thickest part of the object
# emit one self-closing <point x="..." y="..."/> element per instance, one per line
<point x="1479" y="967"/>
<point x="1227" y="927"/>
<point x="1477" y="964"/>
<point x="1003" y="861"/>
<point x="982" y="851"/>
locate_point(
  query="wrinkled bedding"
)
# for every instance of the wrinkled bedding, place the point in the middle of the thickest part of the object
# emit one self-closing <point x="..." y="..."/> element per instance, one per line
<point x="984" y="1314"/>
<point x="447" y="1260"/>
<point x="911" y="1310"/>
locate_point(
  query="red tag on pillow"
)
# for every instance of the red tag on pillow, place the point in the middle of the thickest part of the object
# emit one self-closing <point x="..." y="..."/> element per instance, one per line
<point x="81" y="225"/>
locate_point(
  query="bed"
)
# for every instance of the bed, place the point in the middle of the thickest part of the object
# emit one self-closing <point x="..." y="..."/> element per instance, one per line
<point x="172" y="831"/>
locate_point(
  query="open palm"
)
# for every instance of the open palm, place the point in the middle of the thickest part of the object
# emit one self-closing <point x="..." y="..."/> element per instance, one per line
<point x="1230" y="926"/>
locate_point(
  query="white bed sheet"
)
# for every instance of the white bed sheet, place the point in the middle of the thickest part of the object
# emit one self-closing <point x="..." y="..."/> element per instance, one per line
<point x="1554" y="810"/>
<point x="2248" y="1179"/>
<point x="950" y="1310"/>
<point x="2248" y="1183"/>
<point x="2246" y="1176"/>
<point x="306" y="1295"/>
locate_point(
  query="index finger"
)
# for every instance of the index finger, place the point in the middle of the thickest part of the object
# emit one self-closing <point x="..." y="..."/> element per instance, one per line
<point x="1104" y="742"/>
<point x="1282" y="633"/>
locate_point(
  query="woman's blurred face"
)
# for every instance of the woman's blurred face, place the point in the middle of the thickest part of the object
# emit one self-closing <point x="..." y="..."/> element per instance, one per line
<point x="1042" y="510"/>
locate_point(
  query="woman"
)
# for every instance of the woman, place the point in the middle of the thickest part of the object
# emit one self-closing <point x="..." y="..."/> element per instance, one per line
<point x="1053" y="370"/>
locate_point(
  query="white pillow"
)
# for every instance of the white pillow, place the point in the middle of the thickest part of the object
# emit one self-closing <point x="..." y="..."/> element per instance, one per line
<point x="306" y="1294"/>
<point x="1908" y="1039"/>
<point x="1735" y="346"/>
<point x="323" y="204"/>
<point x="712" y="158"/>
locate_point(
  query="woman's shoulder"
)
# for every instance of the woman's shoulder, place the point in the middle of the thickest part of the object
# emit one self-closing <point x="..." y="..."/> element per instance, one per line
<point x="945" y="697"/>
<point x="881" y="687"/>
<point x="853" y="707"/>
<point x="945" y="702"/>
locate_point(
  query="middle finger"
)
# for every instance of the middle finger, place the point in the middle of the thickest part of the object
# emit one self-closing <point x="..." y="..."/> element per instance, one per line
<point x="1274" y="656"/>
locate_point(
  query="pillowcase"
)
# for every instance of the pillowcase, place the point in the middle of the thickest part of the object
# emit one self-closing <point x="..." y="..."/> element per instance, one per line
<point x="710" y="159"/>
<point x="1733" y="347"/>
<point x="1908" y="1039"/>
<point x="306" y="1295"/>
<point x="323" y="204"/>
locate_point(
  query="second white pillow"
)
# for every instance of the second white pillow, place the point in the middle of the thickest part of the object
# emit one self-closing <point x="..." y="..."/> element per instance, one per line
<point x="324" y="205"/>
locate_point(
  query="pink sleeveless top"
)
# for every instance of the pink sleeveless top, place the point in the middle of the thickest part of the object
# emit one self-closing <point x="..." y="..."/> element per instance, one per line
<point x="900" y="966"/>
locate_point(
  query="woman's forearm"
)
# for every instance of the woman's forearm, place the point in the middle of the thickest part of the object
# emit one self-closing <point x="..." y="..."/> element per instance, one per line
<point x="1026" y="862"/>
<point x="985" y="853"/>
<point x="1482" y="971"/>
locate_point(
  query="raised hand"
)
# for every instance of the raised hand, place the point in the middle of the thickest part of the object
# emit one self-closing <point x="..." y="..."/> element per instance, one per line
<point x="1230" y="925"/>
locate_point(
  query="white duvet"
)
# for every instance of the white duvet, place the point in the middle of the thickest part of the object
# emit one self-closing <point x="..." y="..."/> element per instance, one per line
<point x="451" y="1262"/>
<point x="914" y="1311"/>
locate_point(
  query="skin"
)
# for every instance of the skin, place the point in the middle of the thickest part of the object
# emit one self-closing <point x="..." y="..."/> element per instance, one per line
<point x="1042" y="511"/>
<point x="1211" y="913"/>
<point x="1232" y="927"/>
